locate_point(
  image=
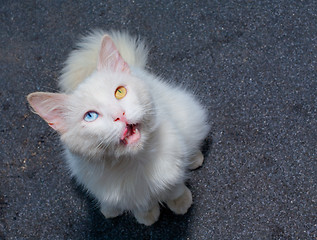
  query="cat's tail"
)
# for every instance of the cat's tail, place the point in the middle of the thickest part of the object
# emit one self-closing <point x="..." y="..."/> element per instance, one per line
<point x="83" y="61"/>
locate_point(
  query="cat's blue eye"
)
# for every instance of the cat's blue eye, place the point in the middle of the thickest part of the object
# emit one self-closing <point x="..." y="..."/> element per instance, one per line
<point x="90" y="116"/>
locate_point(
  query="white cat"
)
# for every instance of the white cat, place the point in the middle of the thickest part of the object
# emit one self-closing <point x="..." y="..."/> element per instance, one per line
<point x="130" y="137"/>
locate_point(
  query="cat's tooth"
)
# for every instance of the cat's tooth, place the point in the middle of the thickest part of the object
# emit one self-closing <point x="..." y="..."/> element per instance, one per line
<point x="136" y="130"/>
<point x="124" y="133"/>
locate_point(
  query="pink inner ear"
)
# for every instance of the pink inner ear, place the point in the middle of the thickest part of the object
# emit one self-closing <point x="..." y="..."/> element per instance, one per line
<point x="51" y="107"/>
<point x="110" y="58"/>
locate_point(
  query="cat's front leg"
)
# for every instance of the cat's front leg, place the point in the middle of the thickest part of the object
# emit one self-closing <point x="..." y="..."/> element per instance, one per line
<point x="109" y="211"/>
<point x="148" y="217"/>
<point x="180" y="199"/>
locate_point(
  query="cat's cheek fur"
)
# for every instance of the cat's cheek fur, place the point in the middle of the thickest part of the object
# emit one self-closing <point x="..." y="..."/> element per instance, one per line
<point x="101" y="139"/>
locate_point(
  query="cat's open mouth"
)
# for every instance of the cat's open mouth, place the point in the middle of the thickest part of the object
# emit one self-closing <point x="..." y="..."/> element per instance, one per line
<point x="131" y="134"/>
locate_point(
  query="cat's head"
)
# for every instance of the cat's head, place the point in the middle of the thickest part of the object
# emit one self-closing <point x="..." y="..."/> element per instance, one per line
<point x="109" y="113"/>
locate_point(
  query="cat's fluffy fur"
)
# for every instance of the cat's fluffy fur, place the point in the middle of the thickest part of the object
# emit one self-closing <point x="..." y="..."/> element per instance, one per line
<point x="172" y="124"/>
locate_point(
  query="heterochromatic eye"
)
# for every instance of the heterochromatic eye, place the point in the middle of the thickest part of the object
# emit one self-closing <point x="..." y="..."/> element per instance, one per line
<point x="120" y="92"/>
<point x="90" y="116"/>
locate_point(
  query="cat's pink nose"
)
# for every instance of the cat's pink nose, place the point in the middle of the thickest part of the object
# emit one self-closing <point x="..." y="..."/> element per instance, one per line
<point x="121" y="118"/>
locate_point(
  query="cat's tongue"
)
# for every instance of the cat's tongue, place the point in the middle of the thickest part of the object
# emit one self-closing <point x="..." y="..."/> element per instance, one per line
<point x="131" y="134"/>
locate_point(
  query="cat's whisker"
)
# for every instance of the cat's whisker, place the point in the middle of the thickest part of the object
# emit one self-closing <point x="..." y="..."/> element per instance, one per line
<point x="105" y="142"/>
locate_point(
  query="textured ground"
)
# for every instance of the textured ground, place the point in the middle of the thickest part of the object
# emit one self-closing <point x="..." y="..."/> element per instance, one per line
<point x="253" y="64"/>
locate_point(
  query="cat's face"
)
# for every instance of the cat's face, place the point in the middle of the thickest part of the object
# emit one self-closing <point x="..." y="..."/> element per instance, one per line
<point x="109" y="113"/>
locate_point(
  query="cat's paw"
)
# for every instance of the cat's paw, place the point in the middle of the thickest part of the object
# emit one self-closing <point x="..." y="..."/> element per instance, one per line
<point x="181" y="204"/>
<point x="197" y="161"/>
<point x="110" y="212"/>
<point x="149" y="217"/>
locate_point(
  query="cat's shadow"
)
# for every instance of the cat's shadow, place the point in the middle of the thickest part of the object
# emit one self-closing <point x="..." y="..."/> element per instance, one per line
<point x="207" y="145"/>
<point x="169" y="225"/>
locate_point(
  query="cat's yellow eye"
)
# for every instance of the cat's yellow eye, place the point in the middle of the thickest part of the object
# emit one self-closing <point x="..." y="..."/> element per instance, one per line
<point x="120" y="92"/>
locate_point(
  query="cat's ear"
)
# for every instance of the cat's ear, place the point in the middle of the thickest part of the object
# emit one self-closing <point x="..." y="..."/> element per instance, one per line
<point x="110" y="58"/>
<point x="51" y="107"/>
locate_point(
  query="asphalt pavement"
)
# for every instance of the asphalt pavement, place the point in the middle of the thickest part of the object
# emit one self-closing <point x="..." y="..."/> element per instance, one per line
<point x="253" y="64"/>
